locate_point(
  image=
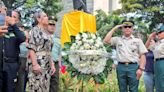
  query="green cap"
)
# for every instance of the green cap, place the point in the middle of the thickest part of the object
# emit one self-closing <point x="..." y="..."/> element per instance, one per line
<point x="128" y="22"/>
<point x="161" y="29"/>
<point x="52" y="20"/>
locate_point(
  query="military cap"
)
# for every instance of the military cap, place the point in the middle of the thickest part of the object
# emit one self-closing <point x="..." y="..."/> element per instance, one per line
<point x="161" y="29"/>
<point x="127" y="22"/>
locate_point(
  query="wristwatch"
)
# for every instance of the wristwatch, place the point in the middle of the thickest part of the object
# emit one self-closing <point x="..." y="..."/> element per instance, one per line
<point x="141" y="69"/>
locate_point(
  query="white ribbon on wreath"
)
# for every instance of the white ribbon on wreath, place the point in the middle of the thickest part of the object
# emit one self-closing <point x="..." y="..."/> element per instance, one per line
<point x="88" y="54"/>
<point x="88" y="61"/>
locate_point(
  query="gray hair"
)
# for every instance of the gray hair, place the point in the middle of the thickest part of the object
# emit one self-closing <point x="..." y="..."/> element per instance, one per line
<point x="36" y="16"/>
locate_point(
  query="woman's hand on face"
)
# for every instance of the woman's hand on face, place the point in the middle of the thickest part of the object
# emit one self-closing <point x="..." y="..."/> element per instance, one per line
<point x="36" y="69"/>
<point x="10" y="20"/>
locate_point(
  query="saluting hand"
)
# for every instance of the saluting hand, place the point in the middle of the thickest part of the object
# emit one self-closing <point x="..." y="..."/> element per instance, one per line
<point x="118" y="26"/>
<point x="152" y="35"/>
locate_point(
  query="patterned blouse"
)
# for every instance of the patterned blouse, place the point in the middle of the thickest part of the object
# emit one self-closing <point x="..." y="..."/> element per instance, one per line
<point x="40" y="40"/>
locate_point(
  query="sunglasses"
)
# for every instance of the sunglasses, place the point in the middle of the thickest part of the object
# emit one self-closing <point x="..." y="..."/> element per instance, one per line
<point x="159" y="32"/>
<point x="52" y="24"/>
<point x="127" y="26"/>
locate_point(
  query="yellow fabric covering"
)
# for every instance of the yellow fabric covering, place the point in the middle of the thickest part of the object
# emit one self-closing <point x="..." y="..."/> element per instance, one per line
<point x="75" y="22"/>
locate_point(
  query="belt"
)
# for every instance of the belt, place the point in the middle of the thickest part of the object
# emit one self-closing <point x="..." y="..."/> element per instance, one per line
<point x="43" y="53"/>
<point x="127" y="63"/>
<point x="159" y="59"/>
<point x="10" y="60"/>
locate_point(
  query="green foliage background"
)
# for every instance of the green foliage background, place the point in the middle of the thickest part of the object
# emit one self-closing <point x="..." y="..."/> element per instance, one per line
<point x="152" y="14"/>
<point x="152" y="9"/>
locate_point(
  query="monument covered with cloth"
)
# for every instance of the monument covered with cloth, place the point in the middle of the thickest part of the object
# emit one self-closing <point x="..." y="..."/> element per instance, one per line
<point x="86" y="54"/>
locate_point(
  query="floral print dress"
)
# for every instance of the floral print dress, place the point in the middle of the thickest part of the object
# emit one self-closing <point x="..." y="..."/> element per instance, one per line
<point x="41" y="42"/>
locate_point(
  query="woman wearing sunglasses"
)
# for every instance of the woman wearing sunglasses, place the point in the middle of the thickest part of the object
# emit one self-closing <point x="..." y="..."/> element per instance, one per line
<point x="159" y="58"/>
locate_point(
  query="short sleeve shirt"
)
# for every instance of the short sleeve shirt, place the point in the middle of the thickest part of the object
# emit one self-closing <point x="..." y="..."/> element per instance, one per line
<point x="40" y="40"/>
<point x="56" y="49"/>
<point x="159" y="49"/>
<point x="23" y="50"/>
<point x="128" y="49"/>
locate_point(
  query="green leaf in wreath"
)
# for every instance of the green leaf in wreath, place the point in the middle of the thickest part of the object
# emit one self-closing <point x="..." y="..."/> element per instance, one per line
<point x="79" y="76"/>
<point x="73" y="74"/>
<point x="98" y="79"/>
<point x="73" y="39"/>
<point x="87" y="77"/>
<point x="105" y="73"/>
<point x="67" y="45"/>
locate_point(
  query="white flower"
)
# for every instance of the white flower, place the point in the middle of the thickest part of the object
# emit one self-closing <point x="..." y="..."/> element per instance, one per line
<point x="84" y="35"/>
<point x="78" y="37"/>
<point x="98" y="41"/>
<point x="77" y="47"/>
<point x="99" y="38"/>
<point x="93" y="48"/>
<point x="93" y="36"/>
<point x="91" y="41"/>
<point x="73" y="46"/>
<point x="87" y="46"/>
<point x="81" y="48"/>
<point x="84" y="39"/>
<point x="79" y="43"/>
<point x="89" y="63"/>
<point x="84" y="58"/>
<point x="97" y="45"/>
<point x="77" y="40"/>
<point x="96" y="57"/>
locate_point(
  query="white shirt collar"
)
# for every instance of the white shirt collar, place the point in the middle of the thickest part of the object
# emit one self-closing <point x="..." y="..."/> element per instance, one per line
<point x="124" y="37"/>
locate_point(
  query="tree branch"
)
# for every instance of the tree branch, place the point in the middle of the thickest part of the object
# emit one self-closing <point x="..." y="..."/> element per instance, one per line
<point x="19" y="4"/>
<point x="8" y="3"/>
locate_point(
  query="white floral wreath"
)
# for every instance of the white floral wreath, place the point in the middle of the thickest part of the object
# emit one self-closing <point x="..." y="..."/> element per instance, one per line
<point x="88" y="54"/>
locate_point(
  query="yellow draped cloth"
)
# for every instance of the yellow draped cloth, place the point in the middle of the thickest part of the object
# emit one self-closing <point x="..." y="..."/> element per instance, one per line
<point x="75" y="22"/>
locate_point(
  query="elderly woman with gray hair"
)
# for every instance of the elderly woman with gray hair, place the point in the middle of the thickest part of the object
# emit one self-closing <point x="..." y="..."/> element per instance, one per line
<point x="40" y="64"/>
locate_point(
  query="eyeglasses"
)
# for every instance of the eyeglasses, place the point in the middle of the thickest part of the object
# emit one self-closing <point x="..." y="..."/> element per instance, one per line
<point x="127" y="26"/>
